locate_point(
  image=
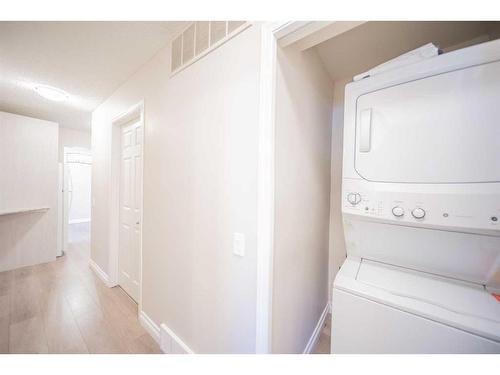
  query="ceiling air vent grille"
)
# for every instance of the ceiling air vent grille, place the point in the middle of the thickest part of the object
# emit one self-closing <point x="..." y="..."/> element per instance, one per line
<point x="199" y="39"/>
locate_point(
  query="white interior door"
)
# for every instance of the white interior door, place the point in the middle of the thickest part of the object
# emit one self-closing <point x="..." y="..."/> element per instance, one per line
<point x="130" y="209"/>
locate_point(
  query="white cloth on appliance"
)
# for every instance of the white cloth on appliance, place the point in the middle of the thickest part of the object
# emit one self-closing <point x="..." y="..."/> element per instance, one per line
<point x="422" y="53"/>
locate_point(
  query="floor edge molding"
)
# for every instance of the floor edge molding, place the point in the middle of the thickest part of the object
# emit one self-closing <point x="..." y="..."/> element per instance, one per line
<point x="99" y="272"/>
<point x="150" y="326"/>
<point x="317" y="331"/>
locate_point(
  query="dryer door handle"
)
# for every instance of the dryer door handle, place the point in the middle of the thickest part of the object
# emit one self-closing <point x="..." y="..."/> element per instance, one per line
<point x="365" y="130"/>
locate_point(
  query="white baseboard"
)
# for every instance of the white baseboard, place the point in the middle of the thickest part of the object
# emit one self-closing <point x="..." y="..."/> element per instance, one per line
<point x="317" y="331"/>
<point x="79" y="221"/>
<point x="99" y="272"/>
<point x="150" y="326"/>
<point x="170" y="343"/>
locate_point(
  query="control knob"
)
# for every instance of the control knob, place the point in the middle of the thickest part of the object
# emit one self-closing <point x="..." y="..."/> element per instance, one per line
<point x="418" y="213"/>
<point x="398" y="211"/>
<point x="353" y="198"/>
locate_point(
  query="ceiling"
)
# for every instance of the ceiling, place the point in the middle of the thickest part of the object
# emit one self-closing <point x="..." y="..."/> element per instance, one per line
<point x="373" y="43"/>
<point x="88" y="60"/>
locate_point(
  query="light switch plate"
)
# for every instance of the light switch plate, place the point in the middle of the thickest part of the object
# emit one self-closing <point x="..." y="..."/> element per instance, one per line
<point x="239" y="244"/>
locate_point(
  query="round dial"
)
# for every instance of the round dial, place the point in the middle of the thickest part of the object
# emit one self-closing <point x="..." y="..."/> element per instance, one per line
<point x="398" y="211"/>
<point x="418" y="213"/>
<point x="353" y="198"/>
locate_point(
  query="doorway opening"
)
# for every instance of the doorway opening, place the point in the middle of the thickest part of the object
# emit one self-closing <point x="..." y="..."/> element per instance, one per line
<point x="76" y="198"/>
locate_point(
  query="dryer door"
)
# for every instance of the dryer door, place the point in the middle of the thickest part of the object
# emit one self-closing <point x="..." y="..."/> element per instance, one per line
<point x="439" y="129"/>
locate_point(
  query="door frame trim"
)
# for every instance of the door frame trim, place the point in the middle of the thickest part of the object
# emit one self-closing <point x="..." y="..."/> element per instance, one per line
<point x="134" y="112"/>
<point x="274" y="35"/>
<point x="265" y="188"/>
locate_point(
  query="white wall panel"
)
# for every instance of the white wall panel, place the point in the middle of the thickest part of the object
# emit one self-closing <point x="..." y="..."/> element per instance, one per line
<point x="28" y="180"/>
<point x="200" y="186"/>
<point x="304" y="95"/>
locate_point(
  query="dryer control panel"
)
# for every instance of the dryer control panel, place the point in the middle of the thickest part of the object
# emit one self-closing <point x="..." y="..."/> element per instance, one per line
<point x="421" y="205"/>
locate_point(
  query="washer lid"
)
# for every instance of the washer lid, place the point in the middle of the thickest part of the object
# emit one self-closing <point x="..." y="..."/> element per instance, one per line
<point x="463" y="305"/>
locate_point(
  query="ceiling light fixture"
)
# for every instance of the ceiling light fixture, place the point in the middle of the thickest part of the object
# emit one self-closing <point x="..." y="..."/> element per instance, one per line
<point x="51" y="93"/>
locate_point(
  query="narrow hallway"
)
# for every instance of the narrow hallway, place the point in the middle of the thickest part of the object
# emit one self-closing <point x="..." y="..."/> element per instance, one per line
<point x="62" y="307"/>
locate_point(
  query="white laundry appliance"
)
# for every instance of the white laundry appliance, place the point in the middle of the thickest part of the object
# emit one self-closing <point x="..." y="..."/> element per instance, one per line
<point x="421" y="209"/>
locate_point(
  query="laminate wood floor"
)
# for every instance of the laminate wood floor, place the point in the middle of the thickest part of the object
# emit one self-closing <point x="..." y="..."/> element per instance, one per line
<point x="63" y="307"/>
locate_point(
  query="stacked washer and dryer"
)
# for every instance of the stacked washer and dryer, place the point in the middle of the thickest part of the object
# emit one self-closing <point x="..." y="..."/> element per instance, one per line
<point x="421" y="208"/>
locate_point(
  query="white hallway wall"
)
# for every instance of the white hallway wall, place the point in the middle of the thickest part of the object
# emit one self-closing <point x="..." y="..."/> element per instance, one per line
<point x="304" y="94"/>
<point x="200" y="186"/>
<point x="28" y="179"/>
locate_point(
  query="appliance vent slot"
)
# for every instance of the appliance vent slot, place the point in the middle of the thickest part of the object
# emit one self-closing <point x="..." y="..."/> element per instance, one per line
<point x="188" y="44"/>
<point x="233" y="25"/>
<point x="199" y="39"/>
<point x="202" y="36"/>
<point x="217" y="31"/>
<point x="177" y="52"/>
